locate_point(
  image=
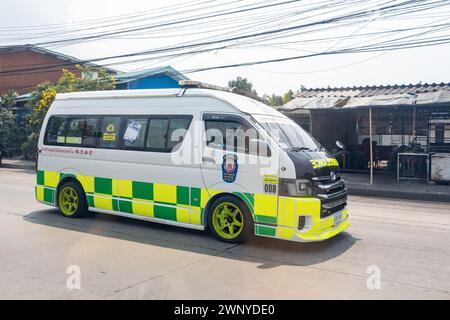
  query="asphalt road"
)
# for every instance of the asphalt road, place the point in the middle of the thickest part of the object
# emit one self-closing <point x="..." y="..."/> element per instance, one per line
<point x="119" y="258"/>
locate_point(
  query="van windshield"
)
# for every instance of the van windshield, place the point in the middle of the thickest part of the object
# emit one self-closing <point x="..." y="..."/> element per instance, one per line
<point x="288" y="134"/>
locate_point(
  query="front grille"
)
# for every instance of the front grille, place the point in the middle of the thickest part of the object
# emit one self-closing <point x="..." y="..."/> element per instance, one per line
<point x="332" y="194"/>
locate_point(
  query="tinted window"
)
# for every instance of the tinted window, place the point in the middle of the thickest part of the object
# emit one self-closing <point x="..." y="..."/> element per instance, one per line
<point x="110" y="132"/>
<point x="224" y="135"/>
<point x="82" y="131"/>
<point x="177" y="131"/>
<point x="134" y="135"/>
<point x="56" y="130"/>
<point x="234" y="135"/>
<point x="90" y="131"/>
<point x="157" y="134"/>
<point x="75" y="130"/>
<point x="161" y="133"/>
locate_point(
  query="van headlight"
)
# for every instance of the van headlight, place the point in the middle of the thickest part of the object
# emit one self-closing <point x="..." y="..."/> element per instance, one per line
<point x="295" y="188"/>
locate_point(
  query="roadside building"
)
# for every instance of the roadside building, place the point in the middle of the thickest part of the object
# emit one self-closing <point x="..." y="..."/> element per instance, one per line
<point x="156" y="78"/>
<point x="402" y="129"/>
<point x="23" y="67"/>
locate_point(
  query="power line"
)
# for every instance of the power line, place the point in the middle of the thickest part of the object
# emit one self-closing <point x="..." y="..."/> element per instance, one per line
<point x="326" y="21"/>
<point x="165" y="24"/>
<point x="138" y="53"/>
<point x="110" y="18"/>
<point x="192" y="8"/>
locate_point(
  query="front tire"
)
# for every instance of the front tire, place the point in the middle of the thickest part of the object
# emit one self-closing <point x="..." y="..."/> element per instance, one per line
<point x="72" y="200"/>
<point x="229" y="220"/>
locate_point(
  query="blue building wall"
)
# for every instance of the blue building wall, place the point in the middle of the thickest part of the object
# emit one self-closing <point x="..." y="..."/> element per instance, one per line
<point x="153" y="82"/>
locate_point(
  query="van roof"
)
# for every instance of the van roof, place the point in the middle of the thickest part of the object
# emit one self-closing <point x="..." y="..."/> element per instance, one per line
<point x="241" y="103"/>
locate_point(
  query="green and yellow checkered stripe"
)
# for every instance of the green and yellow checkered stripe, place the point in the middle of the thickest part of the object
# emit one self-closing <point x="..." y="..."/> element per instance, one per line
<point x="162" y="201"/>
<point x="46" y="183"/>
<point x="183" y="204"/>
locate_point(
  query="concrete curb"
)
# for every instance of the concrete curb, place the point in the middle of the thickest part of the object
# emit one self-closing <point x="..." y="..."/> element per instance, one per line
<point x="7" y="163"/>
<point x="398" y="194"/>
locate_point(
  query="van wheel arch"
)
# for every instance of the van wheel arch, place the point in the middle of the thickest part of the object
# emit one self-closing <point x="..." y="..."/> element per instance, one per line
<point x="65" y="180"/>
<point x="233" y="225"/>
<point x="220" y="195"/>
<point x="73" y="197"/>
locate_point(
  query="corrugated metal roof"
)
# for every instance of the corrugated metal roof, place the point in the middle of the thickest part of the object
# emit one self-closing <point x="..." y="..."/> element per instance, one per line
<point x="370" y="91"/>
<point x="59" y="55"/>
<point x="343" y="98"/>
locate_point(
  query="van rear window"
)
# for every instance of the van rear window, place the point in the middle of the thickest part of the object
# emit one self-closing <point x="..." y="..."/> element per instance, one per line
<point x="56" y="130"/>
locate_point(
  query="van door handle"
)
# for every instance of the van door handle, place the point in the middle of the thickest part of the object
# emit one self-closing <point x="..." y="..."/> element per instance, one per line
<point x="208" y="160"/>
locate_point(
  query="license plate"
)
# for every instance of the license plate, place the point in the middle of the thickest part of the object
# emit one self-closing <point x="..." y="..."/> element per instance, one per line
<point x="337" y="218"/>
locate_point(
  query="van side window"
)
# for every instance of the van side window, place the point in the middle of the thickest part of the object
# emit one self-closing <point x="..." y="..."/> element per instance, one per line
<point x="222" y="134"/>
<point x="157" y="134"/>
<point x="177" y="131"/>
<point x="56" y="130"/>
<point x="166" y="133"/>
<point x="110" y="131"/>
<point x="90" y="131"/>
<point x="233" y="135"/>
<point x="75" y="130"/>
<point x="134" y="135"/>
<point x="82" y="131"/>
<point x="162" y="133"/>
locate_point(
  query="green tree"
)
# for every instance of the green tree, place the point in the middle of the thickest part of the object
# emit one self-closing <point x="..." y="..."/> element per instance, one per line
<point x="8" y="99"/>
<point x="8" y="131"/>
<point x="242" y="84"/>
<point x="43" y="96"/>
<point x="273" y="100"/>
<point x="288" y="96"/>
<point x="276" y="100"/>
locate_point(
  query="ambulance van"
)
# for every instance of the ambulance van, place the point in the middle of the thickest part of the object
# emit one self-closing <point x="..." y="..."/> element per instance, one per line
<point x="191" y="157"/>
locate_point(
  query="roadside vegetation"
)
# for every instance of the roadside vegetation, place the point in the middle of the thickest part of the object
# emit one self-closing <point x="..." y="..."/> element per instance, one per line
<point x="43" y="96"/>
<point x="10" y="131"/>
<point x="245" y="87"/>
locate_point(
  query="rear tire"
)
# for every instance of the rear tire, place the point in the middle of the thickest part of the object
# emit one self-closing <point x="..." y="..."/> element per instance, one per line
<point x="229" y="220"/>
<point x="72" y="200"/>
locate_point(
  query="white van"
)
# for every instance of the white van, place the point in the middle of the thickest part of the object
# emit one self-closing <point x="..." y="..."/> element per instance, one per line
<point x="167" y="156"/>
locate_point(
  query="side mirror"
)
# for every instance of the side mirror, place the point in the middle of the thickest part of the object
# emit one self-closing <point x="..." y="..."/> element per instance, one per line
<point x="340" y="145"/>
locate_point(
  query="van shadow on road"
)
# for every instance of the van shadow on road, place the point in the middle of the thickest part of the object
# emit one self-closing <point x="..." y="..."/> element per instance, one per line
<point x="269" y="253"/>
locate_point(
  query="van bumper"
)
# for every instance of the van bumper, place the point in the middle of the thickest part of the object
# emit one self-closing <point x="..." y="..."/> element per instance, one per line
<point x="315" y="228"/>
<point x="319" y="234"/>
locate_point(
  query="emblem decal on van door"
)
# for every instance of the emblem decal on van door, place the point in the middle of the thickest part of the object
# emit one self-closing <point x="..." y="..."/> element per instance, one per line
<point x="229" y="168"/>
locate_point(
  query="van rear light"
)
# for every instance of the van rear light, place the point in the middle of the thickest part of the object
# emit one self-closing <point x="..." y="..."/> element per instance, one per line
<point x="301" y="222"/>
